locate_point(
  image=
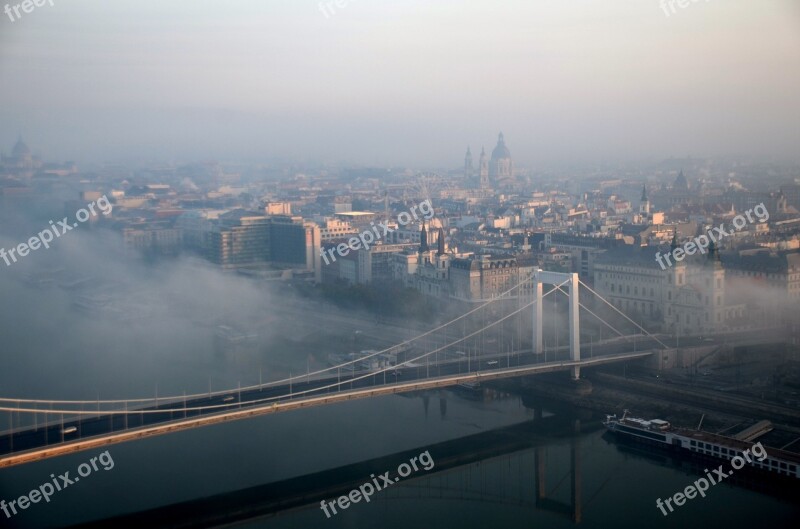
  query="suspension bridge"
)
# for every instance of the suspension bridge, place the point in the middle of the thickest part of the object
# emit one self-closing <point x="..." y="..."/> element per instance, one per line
<point x="41" y="429"/>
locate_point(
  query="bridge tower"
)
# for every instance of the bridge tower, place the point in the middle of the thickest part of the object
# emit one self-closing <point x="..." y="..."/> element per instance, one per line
<point x="541" y="277"/>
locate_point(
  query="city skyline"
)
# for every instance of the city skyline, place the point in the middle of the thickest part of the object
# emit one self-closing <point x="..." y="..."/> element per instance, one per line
<point x="380" y="83"/>
<point x="519" y="262"/>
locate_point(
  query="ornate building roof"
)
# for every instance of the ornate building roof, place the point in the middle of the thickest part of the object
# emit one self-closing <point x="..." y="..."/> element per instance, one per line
<point x="20" y="149"/>
<point x="501" y="151"/>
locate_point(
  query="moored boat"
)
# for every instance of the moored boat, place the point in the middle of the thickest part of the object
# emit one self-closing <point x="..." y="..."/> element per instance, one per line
<point x="661" y="433"/>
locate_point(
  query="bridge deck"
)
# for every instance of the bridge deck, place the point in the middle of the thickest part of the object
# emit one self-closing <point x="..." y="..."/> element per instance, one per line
<point x="39" y="454"/>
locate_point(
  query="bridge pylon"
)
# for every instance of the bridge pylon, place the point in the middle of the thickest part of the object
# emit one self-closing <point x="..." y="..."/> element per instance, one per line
<point x="540" y="277"/>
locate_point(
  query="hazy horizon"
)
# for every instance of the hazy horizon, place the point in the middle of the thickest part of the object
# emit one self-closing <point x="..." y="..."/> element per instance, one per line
<point x="386" y="83"/>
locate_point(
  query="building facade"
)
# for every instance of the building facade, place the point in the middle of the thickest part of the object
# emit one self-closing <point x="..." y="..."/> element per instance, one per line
<point x="687" y="298"/>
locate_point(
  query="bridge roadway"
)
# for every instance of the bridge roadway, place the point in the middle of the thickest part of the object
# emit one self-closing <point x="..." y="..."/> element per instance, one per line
<point x="93" y="431"/>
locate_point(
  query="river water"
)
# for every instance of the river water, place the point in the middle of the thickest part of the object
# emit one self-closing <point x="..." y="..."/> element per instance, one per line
<point x="584" y="478"/>
<point x="587" y="479"/>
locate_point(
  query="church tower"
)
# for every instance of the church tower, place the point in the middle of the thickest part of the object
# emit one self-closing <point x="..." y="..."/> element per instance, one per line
<point x="468" y="171"/>
<point x="483" y="164"/>
<point x="440" y="248"/>
<point x="423" y="240"/>
<point x="644" y="206"/>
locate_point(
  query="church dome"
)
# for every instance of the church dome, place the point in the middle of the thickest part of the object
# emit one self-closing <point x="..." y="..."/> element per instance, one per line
<point x="501" y="151"/>
<point x="681" y="182"/>
<point x="20" y="149"/>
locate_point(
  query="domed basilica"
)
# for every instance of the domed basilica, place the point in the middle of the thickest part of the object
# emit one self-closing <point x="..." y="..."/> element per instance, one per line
<point x="490" y="171"/>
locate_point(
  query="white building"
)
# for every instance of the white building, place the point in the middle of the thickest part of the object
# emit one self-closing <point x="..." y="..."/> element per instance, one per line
<point x="687" y="298"/>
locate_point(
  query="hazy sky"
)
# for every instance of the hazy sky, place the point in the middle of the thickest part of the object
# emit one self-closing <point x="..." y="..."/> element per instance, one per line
<point x="401" y="82"/>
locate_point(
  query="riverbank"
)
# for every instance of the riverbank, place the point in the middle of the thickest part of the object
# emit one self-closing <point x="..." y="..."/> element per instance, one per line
<point x="605" y="392"/>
